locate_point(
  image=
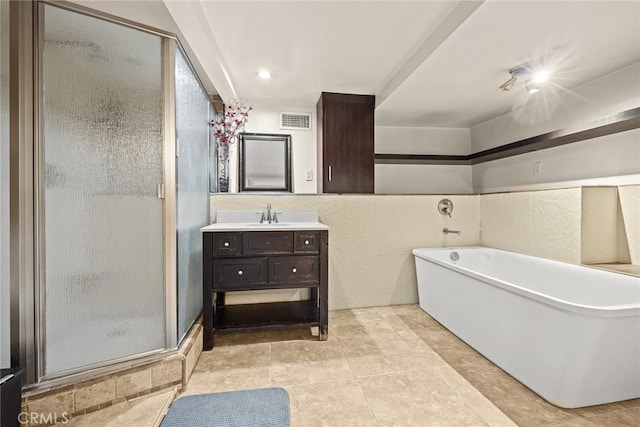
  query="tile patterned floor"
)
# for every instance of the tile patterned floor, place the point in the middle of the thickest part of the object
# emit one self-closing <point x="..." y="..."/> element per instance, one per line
<point x="387" y="366"/>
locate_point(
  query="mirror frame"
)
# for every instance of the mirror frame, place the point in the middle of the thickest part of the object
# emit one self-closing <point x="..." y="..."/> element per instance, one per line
<point x="285" y="139"/>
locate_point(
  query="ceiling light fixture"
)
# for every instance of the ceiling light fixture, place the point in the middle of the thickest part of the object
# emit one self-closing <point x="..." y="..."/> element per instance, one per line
<point x="534" y="73"/>
<point x="264" y="74"/>
<point x="532" y="86"/>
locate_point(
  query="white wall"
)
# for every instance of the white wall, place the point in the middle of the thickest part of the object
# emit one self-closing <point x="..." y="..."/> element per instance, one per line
<point x="266" y="119"/>
<point x="612" y="155"/>
<point x="420" y="178"/>
<point x="602" y="97"/>
<point x="154" y="14"/>
<point x="413" y="140"/>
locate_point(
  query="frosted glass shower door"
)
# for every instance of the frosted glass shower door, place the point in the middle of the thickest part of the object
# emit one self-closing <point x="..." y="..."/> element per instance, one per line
<point x="192" y="165"/>
<point x="102" y="118"/>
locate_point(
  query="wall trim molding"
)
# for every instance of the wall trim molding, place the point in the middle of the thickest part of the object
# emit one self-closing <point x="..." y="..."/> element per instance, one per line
<point x="616" y="123"/>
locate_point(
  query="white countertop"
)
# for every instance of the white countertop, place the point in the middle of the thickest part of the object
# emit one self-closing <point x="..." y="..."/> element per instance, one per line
<point x="250" y="221"/>
<point x="284" y="226"/>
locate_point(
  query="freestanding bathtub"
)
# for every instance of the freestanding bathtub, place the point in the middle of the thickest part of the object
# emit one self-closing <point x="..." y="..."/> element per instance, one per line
<point x="569" y="333"/>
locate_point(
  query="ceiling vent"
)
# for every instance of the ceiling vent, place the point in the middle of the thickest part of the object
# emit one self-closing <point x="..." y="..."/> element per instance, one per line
<point x="295" y="121"/>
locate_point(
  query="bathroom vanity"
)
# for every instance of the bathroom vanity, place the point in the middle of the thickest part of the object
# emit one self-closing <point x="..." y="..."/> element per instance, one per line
<point x="242" y="254"/>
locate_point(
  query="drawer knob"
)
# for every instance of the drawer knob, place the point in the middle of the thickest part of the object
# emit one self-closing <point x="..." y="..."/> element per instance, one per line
<point x="306" y="242"/>
<point x="294" y="269"/>
<point x="240" y="272"/>
<point x="226" y="244"/>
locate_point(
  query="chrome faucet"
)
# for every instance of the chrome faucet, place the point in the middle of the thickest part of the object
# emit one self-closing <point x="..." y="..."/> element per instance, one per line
<point x="268" y="218"/>
<point x="447" y="231"/>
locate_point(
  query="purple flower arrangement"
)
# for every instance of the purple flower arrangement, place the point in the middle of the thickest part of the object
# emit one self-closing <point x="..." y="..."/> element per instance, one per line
<point x="227" y="127"/>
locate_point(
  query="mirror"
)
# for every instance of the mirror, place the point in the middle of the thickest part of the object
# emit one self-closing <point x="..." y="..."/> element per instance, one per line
<point x="265" y="162"/>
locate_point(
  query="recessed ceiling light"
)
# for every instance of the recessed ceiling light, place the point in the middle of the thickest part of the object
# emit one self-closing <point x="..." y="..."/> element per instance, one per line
<point x="264" y="74"/>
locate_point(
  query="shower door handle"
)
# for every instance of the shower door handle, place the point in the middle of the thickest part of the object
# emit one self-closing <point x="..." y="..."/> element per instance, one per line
<point x="160" y="190"/>
<point x="330" y="175"/>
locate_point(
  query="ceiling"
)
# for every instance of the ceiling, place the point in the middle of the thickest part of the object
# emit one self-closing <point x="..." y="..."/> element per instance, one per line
<point x="429" y="63"/>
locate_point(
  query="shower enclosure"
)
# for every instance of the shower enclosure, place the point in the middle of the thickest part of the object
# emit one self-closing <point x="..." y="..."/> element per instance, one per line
<point x="121" y="189"/>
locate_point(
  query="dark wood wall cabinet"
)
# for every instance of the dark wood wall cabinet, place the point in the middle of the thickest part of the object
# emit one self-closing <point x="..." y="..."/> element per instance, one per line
<point x="346" y="158"/>
<point x="262" y="260"/>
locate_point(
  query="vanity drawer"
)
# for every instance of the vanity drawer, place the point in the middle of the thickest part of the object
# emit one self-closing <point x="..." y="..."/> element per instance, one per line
<point x="306" y="242"/>
<point x="267" y="242"/>
<point x="227" y="244"/>
<point x="240" y="273"/>
<point x="294" y="269"/>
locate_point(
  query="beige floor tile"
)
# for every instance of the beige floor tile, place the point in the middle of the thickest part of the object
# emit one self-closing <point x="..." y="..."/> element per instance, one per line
<point x="379" y="355"/>
<point x="626" y="418"/>
<point x="307" y="362"/>
<point x="304" y="351"/>
<point x="141" y="412"/>
<point x="303" y="419"/>
<point x="360" y="316"/>
<point x="519" y="403"/>
<point x="575" y="422"/>
<point x="417" y="398"/>
<point x="203" y="382"/>
<point x="410" y="371"/>
<point x="234" y="357"/>
<point x="478" y="402"/>
<point x="592" y="411"/>
<point x="343" y="332"/>
<point x="266" y="337"/>
<point x="289" y="374"/>
<point x="340" y="403"/>
<point x="405" y="317"/>
<point x="229" y="368"/>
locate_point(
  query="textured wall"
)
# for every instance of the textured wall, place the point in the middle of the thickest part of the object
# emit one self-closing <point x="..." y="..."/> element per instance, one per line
<point x="630" y="204"/>
<point x="371" y="238"/>
<point x="599" y="225"/>
<point x="539" y="223"/>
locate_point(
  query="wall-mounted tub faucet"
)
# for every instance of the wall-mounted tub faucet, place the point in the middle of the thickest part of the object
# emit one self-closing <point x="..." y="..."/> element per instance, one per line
<point x="445" y="207"/>
<point x="447" y="231"/>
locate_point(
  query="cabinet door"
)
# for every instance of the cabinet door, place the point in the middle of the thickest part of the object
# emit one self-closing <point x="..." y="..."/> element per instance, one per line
<point x="294" y="270"/>
<point x="227" y="244"/>
<point x="306" y="242"/>
<point x="240" y="273"/>
<point x="267" y="242"/>
<point x="347" y="134"/>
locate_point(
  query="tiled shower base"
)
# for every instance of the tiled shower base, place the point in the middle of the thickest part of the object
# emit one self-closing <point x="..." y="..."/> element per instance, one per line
<point x="386" y="366"/>
<point x="134" y="387"/>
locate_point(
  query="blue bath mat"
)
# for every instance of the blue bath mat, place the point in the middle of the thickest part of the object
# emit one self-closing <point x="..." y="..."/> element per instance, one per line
<point x="266" y="407"/>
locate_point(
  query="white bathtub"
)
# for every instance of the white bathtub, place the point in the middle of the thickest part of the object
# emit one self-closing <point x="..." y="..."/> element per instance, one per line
<point x="569" y="333"/>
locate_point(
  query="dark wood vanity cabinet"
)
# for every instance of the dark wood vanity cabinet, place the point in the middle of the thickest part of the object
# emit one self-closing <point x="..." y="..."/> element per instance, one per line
<point x="346" y="156"/>
<point x="262" y="260"/>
